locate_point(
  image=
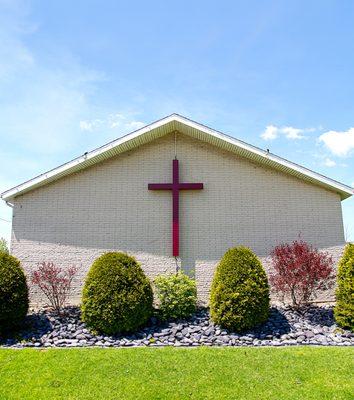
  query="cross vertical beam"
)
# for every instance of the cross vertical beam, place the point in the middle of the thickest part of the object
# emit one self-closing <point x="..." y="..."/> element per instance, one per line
<point x="175" y="208"/>
<point x="175" y="187"/>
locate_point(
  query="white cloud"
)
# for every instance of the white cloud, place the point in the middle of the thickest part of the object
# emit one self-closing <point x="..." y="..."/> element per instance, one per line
<point x="339" y="143"/>
<point x="293" y="133"/>
<point x="85" y="126"/>
<point x="273" y="132"/>
<point x="329" y="163"/>
<point x="121" y="121"/>
<point x="116" y="120"/>
<point x="90" y="125"/>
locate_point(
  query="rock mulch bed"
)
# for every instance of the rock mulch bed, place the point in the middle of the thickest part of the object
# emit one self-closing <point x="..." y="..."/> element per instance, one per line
<point x="285" y="327"/>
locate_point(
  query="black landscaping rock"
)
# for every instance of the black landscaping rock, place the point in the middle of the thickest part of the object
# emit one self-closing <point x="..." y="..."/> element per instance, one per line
<point x="285" y="327"/>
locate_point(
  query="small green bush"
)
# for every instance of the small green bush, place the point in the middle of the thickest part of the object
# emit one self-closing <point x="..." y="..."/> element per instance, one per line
<point x="176" y="294"/>
<point x="239" y="297"/>
<point x="13" y="292"/>
<point x="344" y="309"/>
<point x="117" y="296"/>
<point x="3" y="246"/>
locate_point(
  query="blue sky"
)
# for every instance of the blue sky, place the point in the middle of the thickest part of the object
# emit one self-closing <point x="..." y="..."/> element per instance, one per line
<point x="277" y="74"/>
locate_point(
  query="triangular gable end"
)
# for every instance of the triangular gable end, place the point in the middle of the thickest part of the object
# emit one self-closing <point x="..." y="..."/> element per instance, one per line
<point x="176" y="122"/>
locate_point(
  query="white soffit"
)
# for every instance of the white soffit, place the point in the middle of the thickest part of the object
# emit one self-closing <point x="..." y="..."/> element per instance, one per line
<point x="169" y="124"/>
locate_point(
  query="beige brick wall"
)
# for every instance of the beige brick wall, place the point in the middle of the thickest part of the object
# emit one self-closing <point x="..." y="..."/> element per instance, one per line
<point x="108" y="206"/>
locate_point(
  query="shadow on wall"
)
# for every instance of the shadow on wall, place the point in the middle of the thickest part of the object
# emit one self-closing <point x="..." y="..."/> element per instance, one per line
<point x="92" y="237"/>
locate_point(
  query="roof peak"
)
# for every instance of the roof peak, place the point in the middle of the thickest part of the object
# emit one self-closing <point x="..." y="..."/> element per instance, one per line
<point x="187" y="126"/>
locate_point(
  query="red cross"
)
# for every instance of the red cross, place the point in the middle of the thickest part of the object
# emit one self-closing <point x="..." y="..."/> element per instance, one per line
<point x="175" y="186"/>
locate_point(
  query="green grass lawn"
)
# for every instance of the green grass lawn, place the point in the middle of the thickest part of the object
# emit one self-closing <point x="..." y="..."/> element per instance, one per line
<point x="169" y="373"/>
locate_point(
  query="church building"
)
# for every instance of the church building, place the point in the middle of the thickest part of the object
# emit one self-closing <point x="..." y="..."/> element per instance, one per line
<point x="174" y="194"/>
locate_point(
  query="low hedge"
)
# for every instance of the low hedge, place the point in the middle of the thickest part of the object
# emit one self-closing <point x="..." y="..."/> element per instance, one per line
<point x="239" y="297"/>
<point x="117" y="296"/>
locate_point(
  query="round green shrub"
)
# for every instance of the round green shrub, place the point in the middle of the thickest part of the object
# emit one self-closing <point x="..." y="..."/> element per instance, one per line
<point x="13" y="292"/>
<point x="117" y="296"/>
<point x="239" y="298"/>
<point x="176" y="294"/>
<point x="344" y="309"/>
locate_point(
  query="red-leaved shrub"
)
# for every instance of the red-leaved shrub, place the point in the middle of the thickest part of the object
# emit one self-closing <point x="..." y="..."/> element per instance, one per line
<point x="300" y="271"/>
<point x="54" y="282"/>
